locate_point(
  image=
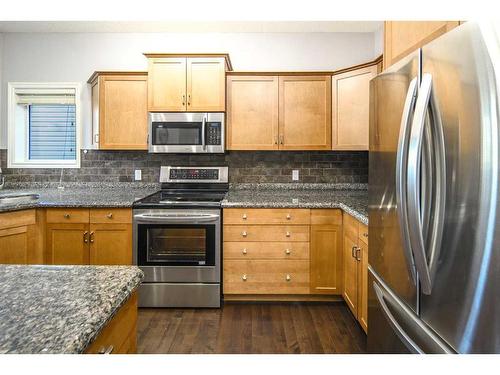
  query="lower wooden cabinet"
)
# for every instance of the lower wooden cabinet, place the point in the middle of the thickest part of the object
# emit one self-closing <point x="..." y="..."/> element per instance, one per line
<point x="83" y="236"/>
<point x="120" y="334"/>
<point x="18" y="238"/>
<point x="326" y="251"/>
<point x="355" y="262"/>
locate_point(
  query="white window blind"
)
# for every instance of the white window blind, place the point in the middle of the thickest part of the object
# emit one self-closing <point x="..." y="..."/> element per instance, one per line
<point x="52" y="132"/>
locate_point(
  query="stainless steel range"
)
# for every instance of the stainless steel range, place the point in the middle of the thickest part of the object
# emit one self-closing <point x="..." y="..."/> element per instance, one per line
<point x="177" y="238"/>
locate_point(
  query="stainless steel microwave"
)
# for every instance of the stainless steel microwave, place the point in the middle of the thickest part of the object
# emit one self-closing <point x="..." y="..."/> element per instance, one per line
<point x="186" y="132"/>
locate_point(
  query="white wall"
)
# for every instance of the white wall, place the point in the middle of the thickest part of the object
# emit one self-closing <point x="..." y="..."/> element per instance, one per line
<point x="72" y="57"/>
<point x="378" y="41"/>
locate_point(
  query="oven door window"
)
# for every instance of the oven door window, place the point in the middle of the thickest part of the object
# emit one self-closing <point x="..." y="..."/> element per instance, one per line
<point x="176" y="245"/>
<point x="177" y="133"/>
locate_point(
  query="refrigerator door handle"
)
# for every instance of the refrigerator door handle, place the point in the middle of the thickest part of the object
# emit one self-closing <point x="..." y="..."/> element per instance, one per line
<point x="401" y="163"/>
<point x="409" y="343"/>
<point x="426" y="101"/>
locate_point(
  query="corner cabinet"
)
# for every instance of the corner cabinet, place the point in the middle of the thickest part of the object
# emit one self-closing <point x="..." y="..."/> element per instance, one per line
<point x="119" y="110"/>
<point x="403" y="37"/>
<point x="279" y="112"/>
<point x="355" y="288"/>
<point x="350" y="108"/>
<point x="82" y="236"/>
<point x="187" y="83"/>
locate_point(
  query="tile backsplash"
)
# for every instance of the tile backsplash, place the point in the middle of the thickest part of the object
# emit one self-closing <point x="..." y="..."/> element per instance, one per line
<point x="244" y="166"/>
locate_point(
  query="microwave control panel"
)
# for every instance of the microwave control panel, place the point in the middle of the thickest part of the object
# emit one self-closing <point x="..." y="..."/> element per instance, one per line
<point x="213" y="133"/>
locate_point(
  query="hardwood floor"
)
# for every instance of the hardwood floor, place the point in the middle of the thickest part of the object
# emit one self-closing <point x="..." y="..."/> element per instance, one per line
<point x="270" y="328"/>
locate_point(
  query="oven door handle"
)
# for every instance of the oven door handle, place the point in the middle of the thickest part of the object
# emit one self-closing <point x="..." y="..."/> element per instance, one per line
<point x="175" y="218"/>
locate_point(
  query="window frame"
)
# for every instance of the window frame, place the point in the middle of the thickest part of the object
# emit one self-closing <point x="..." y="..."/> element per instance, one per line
<point x="11" y="119"/>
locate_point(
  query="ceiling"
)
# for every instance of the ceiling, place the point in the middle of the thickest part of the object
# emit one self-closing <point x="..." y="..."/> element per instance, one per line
<point x="188" y="26"/>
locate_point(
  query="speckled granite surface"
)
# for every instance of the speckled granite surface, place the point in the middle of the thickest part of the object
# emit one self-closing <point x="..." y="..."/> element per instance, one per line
<point x="79" y="197"/>
<point x="354" y="202"/>
<point x="60" y="309"/>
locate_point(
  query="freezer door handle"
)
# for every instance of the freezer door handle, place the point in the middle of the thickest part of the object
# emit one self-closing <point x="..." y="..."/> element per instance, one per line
<point x="401" y="163"/>
<point x="426" y="108"/>
<point x="409" y="343"/>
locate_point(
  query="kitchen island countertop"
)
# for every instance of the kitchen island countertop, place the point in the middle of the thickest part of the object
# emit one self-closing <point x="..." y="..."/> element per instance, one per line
<point x="60" y="309"/>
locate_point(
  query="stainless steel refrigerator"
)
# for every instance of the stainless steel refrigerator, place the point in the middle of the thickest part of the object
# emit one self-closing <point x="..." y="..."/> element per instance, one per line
<point x="434" y="256"/>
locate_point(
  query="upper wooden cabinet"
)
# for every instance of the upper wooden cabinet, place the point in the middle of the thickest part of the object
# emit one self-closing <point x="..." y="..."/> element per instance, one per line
<point x="119" y="110"/>
<point x="403" y="37"/>
<point x="350" y="108"/>
<point x="273" y="112"/>
<point x="252" y="113"/>
<point x="192" y="83"/>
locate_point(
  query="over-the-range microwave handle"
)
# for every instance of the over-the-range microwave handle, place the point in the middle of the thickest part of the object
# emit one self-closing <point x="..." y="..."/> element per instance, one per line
<point x="425" y="268"/>
<point x="401" y="163"/>
<point x="203" y="129"/>
<point x="165" y="219"/>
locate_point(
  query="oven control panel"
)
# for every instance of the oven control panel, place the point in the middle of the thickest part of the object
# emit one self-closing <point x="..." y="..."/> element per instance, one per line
<point x="194" y="174"/>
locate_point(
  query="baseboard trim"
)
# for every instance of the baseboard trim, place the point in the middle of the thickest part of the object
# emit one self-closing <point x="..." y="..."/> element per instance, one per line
<point x="281" y="298"/>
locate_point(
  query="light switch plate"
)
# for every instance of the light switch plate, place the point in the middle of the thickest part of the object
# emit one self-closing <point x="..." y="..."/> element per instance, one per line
<point x="295" y="175"/>
<point x="138" y="175"/>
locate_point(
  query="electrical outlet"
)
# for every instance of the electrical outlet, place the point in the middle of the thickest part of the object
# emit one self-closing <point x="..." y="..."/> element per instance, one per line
<point x="295" y="175"/>
<point x="138" y="175"/>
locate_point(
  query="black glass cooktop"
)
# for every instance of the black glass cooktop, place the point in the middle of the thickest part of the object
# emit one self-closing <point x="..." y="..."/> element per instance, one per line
<point x="180" y="198"/>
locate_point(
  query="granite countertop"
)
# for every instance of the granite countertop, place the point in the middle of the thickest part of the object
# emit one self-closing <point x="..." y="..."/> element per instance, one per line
<point x="352" y="201"/>
<point x="60" y="309"/>
<point x="92" y="196"/>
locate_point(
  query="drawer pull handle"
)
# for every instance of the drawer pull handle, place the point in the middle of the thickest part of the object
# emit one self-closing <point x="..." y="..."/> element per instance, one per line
<point x="244" y="251"/>
<point x="107" y="350"/>
<point x="288" y="278"/>
<point x="354" y="251"/>
<point x="244" y="233"/>
<point x="92" y="237"/>
<point x="287" y="234"/>
<point x="109" y="216"/>
<point x="358" y="254"/>
<point x="67" y="216"/>
<point x="288" y="217"/>
<point x="244" y="217"/>
<point x="288" y="252"/>
<point x="85" y="237"/>
<point x="244" y="277"/>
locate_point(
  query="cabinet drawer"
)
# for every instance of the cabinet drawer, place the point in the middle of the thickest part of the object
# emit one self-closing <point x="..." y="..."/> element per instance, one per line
<point x="119" y="332"/>
<point x="111" y="215"/>
<point x="351" y="228"/>
<point x="67" y="215"/>
<point x="266" y="216"/>
<point x="271" y="233"/>
<point x="266" y="250"/>
<point x="17" y="218"/>
<point x="363" y="233"/>
<point x="266" y="277"/>
<point x="327" y="216"/>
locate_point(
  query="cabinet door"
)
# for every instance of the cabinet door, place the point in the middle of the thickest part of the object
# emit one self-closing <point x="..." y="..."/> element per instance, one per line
<point x="14" y="245"/>
<point x="252" y="113"/>
<point x="403" y="37"/>
<point x="350" y="109"/>
<point x="123" y="112"/>
<point x="363" y="285"/>
<point x="326" y="259"/>
<point x="68" y="243"/>
<point x="206" y="84"/>
<point x="350" y="293"/>
<point x="305" y="117"/>
<point x="167" y="84"/>
<point x="111" y="244"/>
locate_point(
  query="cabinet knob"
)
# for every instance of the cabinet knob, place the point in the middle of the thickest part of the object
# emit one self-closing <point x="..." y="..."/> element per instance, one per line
<point x="244" y="217"/>
<point x="287" y="234"/>
<point x="288" y="217"/>
<point x="244" y="251"/>
<point x="109" y="216"/>
<point x="288" y="277"/>
<point x="365" y="235"/>
<point x="288" y="252"/>
<point x="67" y="216"/>
<point x="244" y="277"/>
<point x="244" y="233"/>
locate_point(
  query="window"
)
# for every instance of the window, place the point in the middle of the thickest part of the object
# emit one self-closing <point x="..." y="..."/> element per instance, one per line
<point x="44" y="125"/>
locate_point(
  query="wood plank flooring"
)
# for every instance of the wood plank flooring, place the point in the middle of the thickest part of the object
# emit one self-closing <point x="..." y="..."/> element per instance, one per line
<point x="251" y="328"/>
